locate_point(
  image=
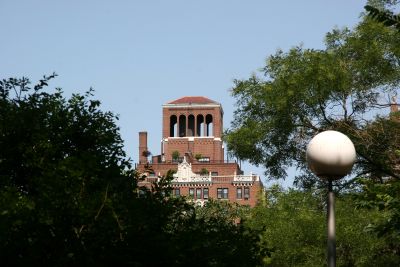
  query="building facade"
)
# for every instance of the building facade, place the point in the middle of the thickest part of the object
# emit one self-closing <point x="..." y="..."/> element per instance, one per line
<point x="192" y="146"/>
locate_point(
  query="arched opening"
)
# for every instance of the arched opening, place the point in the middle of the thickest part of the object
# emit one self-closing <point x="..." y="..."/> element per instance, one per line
<point x="200" y="125"/>
<point x="173" y="126"/>
<point x="190" y="125"/>
<point x="182" y="126"/>
<point x="209" y="125"/>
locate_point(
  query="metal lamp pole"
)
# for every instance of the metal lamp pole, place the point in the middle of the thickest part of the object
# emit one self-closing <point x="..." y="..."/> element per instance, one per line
<point x="331" y="246"/>
<point x="331" y="155"/>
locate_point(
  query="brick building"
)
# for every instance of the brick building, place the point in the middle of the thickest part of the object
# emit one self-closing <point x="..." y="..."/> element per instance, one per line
<point x="191" y="145"/>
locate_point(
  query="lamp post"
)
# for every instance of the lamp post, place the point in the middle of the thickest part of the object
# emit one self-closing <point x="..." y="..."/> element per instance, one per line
<point x="330" y="156"/>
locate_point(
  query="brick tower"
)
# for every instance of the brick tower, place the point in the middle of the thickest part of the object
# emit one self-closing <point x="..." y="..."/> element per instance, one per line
<point x="191" y="145"/>
<point x="192" y="126"/>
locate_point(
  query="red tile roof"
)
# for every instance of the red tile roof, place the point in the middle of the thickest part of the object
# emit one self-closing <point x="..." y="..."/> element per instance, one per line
<point x="193" y="100"/>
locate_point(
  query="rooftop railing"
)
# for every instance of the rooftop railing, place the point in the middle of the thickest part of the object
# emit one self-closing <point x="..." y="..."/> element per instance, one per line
<point x="220" y="179"/>
<point x="195" y="161"/>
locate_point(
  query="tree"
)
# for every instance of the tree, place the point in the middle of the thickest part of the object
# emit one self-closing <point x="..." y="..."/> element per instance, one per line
<point x="386" y="198"/>
<point x="216" y="239"/>
<point x="68" y="195"/>
<point x="62" y="173"/>
<point x="347" y="87"/>
<point x="306" y="91"/>
<point x="293" y="229"/>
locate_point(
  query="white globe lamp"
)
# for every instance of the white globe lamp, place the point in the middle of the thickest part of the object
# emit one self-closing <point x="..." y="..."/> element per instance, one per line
<point x="331" y="155"/>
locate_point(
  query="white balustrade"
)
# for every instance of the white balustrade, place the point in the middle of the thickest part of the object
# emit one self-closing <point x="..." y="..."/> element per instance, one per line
<point x="246" y="178"/>
<point x="200" y="179"/>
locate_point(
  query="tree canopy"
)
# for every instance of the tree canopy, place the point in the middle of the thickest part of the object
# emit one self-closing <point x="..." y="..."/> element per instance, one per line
<point x="69" y="197"/>
<point x="293" y="230"/>
<point x="351" y="86"/>
<point x="305" y="91"/>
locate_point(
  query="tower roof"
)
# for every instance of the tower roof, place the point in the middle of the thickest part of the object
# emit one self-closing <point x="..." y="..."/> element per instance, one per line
<point x="193" y="100"/>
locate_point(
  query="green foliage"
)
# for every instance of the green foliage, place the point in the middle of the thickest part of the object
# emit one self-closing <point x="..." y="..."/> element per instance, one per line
<point x="215" y="239"/>
<point x="62" y="174"/>
<point x="198" y="156"/>
<point x="222" y="211"/>
<point x="204" y="171"/>
<point x="386" y="198"/>
<point x="378" y="143"/>
<point x="293" y="225"/>
<point x="357" y="244"/>
<point x="146" y="153"/>
<point x="306" y="91"/>
<point x="387" y="17"/>
<point x="175" y="154"/>
<point x="293" y="228"/>
<point x="68" y="196"/>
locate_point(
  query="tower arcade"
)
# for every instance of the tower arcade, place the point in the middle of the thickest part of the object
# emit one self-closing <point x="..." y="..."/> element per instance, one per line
<point x="193" y="127"/>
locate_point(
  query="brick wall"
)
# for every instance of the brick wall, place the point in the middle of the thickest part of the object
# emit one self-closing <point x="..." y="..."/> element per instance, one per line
<point x="214" y="111"/>
<point x="206" y="146"/>
<point x="255" y="189"/>
<point x="220" y="168"/>
<point x="142" y="146"/>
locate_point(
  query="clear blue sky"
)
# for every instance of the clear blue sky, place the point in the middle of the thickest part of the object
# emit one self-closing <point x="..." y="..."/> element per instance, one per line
<point x="138" y="55"/>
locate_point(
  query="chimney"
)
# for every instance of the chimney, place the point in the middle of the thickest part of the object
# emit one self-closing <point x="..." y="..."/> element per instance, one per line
<point x="143" y="147"/>
<point x="394" y="107"/>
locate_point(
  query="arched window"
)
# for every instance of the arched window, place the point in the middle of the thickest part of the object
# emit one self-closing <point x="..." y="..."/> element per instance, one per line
<point x="209" y="125"/>
<point x="190" y="125"/>
<point x="182" y="126"/>
<point x="200" y="125"/>
<point x="173" y="126"/>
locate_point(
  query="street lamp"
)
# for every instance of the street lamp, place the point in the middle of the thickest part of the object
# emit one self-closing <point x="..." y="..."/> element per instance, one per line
<point x="330" y="156"/>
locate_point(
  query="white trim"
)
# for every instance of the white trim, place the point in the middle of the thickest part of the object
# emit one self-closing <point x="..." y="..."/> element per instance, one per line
<point x="191" y="105"/>
<point x="194" y="137"/>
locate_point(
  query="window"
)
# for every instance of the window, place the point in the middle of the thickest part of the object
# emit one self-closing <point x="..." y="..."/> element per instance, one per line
<point x="214" y="173"/>
<point x="205" y="193"/>
<point x="200" y="125"/>
<point x="239" y="193"/>
<point x="191" y="192"/>
<point x="177" y="160"/>
<point x="246" y="192"/>
<point x="198" y="193"/>
<point x="222" y="193"/>
<point x="209" y="125"/>
<point x="177" y="191"/>
<point x="182" y="126"/>
<point x="191" y="126"/>
<point x="225" y="193"/>
<point x="173" y="126"/>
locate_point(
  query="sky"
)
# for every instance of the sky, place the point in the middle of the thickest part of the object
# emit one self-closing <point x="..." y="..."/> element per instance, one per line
<point x="138" y="55"/>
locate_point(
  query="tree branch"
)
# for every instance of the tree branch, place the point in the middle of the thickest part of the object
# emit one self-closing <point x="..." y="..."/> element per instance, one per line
<point x="102" y="204"/>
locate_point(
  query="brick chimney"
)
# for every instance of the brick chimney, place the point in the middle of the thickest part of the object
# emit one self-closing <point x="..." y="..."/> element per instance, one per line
<point x="143" y="147"/>
<point x="394" y="107"/>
